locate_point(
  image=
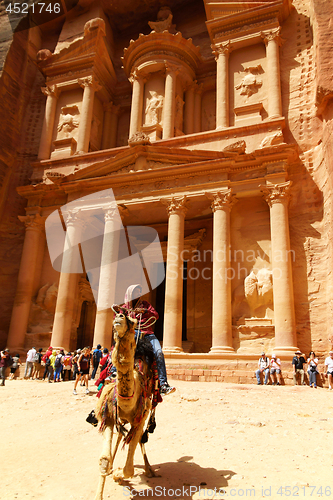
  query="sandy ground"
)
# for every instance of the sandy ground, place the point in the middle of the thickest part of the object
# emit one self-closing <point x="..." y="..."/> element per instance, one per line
<point x="212" y="440"/>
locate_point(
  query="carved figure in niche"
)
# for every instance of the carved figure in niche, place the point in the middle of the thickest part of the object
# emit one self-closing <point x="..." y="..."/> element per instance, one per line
<point x="43" y="308"/>
<point x="67" y="121"/>
<point x="179" y="113"/>
<point x="164" y="21"/>
<point x="259" y="290"/>
<point x="154" y="108"/>
<point x="250" y="82"/>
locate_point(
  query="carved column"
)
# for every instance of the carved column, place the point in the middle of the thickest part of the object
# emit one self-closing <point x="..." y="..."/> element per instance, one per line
<point x="25" y="282"/>
<point x="197" y="109"/>
<point x="169" y="101"/>
<point x="108" y="275"/>
<point x="173" y="306"/>
<point x="222" y="203"/>
<point x="189" y="109"/>
<point x="45" y="145"/>
<point x="67" y="290"/>
<point x="137" y="103"/>
<point x="222" y="84"/>
<point x="90" y="86"/>
<point x="273" y="41"/>
<point x="110" y="126"/>
<point x="277" y="197"/>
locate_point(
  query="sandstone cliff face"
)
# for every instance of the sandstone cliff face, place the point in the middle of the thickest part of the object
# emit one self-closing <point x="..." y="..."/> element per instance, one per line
<point x="21" y="111"/>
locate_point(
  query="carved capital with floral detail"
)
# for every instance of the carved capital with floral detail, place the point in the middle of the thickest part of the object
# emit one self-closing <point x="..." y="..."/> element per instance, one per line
<point x="270" y="35"/>
<point x="51" y="91"/>
<point x="75" y="218"/>
<point x="176" y="205"/>
<point x="33" y="222"/>
<point x="222" y="200"/>
<point x="276" y="193"/>
<point x="221" y="49"/>
<point x="89" y="81"/>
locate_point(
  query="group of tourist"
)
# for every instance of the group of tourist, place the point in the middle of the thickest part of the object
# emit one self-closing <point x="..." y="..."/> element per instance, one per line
<point x="272" y="367"/>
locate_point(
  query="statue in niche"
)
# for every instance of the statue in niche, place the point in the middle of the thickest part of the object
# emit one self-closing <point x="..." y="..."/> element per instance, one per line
<point x="210" y="117"/>
<point x="164" y="21"/>
<point x="154" y="108"/>
<point x="94" y="133"/>
<point x="179" y="113"/>
<point x="250" y="82"/>
<point x="67" y="121"/>
<point x="258" y="289"/>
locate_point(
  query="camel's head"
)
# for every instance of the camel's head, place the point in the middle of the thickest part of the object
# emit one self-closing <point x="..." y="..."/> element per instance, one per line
<point x="122" y="323"/>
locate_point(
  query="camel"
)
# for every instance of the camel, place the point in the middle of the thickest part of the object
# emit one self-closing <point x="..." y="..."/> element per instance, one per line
<point x="127" y="400"/>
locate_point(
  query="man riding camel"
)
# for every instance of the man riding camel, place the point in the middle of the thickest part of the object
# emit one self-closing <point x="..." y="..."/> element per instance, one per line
<point x="146" y="316"/>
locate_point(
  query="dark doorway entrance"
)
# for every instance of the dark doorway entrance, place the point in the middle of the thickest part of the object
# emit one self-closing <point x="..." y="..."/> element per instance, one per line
<point x="85" y="330"/>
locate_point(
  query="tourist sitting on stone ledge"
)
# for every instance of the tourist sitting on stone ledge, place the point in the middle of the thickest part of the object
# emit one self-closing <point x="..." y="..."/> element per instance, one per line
<point x="329" y="369"/>
<point x="298" y="362"/>
<point x="263" y="364"/>
<point x="275" y="365"/>
<point x="312" y="369"/>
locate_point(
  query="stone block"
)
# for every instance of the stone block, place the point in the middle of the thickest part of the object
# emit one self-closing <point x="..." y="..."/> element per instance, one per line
<point x="198" y="372"/>
<point x="192" y="378"/>
<point x="210" y="378"/>
<point x="188" y="372"/>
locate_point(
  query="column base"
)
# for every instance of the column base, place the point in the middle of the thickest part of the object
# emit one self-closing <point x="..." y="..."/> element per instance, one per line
<point x="221" y="349"/>
<point x="172" y="350"/>
<point x="285" y="350"/>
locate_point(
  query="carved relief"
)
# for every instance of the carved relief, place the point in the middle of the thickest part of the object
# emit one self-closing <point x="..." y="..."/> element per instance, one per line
<point x="154" y="108"/>
<point x="67" y="121"/>
<point x="43" y="308"/>
<point x="250" y="82"/>
<point x="259" y="291"/>
<point x="272" y="140"/>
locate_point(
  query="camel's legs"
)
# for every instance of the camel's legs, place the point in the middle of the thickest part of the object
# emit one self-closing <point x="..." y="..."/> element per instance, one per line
<point x="105" y="461"/>
<point x="148" y="470"/>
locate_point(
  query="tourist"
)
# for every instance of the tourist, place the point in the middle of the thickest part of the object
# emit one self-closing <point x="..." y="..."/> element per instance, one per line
<point x="298" y="362"/>
<point x="45" y="360"/>
<point x="263" y="365"/>
<point x="76" y="356"/>
<point x="96" y="358"/>
<point x="58" y="364"/>
<point x="275" y="366"/>
<point x="14" y="367"/>
<point x="312" y="369"/>
<point x="37" y="364"/>
<point x="146" y="316"/>
<point x="29" y="362"/>
<point x="329" y="369"/>
<point x="51" y="365"/>
<point x="5" y="361"/>
<point x="83" y="364"/>
<point x="67" y="366"/>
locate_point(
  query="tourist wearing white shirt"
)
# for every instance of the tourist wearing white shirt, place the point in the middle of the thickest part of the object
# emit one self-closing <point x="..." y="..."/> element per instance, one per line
<point x="275" y="365"/>
<point x="329" y="369"/>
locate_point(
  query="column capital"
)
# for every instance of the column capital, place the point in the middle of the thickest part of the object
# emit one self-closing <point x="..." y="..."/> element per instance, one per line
<point x="176" y="205"/>
<point x="114" y="213"/>
<point x="270" y="35"/>
<point x="171" y="68"/>
<point x="222" y="48"/>
<point x="52" y="91"/>
<point x="35" y="222"/>
<point x="74" y="218"/>
<point x="276" y="193"/>
<point x="222" y="200"/>
<point x="89" y="81"/>
<point x="136" y="75"/>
